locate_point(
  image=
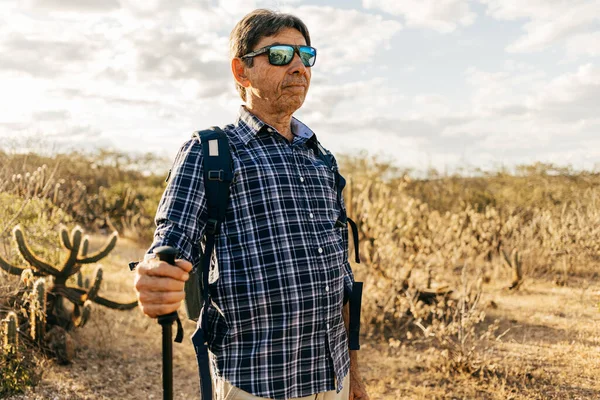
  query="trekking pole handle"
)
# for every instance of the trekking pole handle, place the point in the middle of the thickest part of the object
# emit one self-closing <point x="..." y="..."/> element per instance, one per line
<point x="168" y="255"/>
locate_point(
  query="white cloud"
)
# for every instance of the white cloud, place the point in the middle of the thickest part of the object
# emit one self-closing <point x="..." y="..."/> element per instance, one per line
<point x="75" y="5"/>
<point x="440" y="15"/>
<point x="549" y="21"/>
<point x="359" y="98"/>
<point x="346" y="37"/>
<point x="583" y="44"/>
<point x="144" y="74"/>
<point x="571" y="97"/>
<point x="520" y="115"/>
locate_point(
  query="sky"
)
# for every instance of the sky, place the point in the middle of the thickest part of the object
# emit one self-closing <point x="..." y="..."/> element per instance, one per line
<point x="442" y="84"/>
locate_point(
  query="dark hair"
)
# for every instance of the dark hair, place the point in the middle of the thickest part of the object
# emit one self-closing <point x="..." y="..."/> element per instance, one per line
<point x="256" y="25"/>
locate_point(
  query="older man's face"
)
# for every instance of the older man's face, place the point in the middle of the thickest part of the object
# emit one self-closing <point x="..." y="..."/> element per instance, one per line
<point x="284" y="87"/>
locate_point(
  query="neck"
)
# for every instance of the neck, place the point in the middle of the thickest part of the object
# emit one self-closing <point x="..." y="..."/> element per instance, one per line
<point x="280" y="120"/>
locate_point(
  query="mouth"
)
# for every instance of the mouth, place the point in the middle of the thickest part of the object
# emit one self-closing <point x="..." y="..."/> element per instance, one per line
<point x="296" y="86"/>
<point x="302" y="84"/>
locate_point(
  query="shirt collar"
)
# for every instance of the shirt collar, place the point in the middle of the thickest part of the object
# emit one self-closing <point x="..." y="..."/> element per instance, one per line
<point x="249" y="125"/>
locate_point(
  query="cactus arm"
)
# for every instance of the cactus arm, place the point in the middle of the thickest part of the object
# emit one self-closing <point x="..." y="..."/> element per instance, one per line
<point x="506" y="258"/>
<point x="64" y="236"/>
<point x="75" y="295"/>
<point x="27" y="278"/>
<point x="517" y="272"/>
<point x="69" y="265"/>
<point x="82" y="314"/>
<point x="37" y="310"/>
<point x="114" y="305"/>
<point x="79" y="279"/>
<point x="95" y="288"/>
<point x="11" y="269"/>
<point x="43" y="267"/>
<point x="11" y="337"/>
<point x="85" y="246"/>
<point x="95" y="257"/>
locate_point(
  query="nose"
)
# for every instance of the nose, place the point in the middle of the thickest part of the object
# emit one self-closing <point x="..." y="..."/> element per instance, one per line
<point x="296" y="65"/>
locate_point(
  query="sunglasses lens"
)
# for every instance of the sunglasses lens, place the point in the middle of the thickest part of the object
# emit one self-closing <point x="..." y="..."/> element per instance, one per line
<point x="308" y="55"/>
<point x="281" y="55"/>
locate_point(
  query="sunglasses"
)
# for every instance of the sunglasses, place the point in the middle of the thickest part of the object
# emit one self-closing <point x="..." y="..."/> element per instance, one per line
<point x="282" y="54"/>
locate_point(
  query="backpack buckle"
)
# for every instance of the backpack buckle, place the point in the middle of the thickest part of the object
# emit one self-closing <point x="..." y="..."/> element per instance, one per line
<point x="212" y="226"/>
<point x="216" y="175"/>
<point x="340" y="223"/>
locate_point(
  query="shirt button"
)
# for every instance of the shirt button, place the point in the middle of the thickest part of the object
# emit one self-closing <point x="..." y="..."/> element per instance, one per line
<point x="320" y="250"/>
<point x="269" y="130"/>
<point x="301" y="179"/>
<point x="327" y="326"/>
<point x="327" y="288"/>
<point x="311" y="215"/>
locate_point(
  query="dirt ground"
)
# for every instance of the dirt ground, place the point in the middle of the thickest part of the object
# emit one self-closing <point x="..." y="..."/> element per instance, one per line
<point x="550" y="350"/>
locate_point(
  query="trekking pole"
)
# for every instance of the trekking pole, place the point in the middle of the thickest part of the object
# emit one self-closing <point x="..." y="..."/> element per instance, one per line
<point x="168" y="254"/>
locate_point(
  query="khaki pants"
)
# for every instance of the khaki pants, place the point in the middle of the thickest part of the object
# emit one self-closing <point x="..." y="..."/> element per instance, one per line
<point x="223" y="390"/>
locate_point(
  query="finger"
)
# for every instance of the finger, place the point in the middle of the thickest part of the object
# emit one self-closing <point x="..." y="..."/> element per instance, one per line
<point x="166" y="270"/>
<point x="157" y="298"/>
<point x="184" y="265"/>
<point x="147" y="283"/>
<point x="153" y="310"/>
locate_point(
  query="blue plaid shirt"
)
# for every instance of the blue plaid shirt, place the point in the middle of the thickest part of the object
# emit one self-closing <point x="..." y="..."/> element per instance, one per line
<point x="277" y="279"/>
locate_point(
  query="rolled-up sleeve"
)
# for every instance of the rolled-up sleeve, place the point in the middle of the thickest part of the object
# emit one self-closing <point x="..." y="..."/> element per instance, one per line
<point x="181" y="215"/>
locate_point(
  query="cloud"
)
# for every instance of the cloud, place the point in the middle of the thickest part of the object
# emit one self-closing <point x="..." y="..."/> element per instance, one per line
<point x="549" y="21"/>
<point x="174" y="55"/>
<point x="520" y="115"/>
<point x="571" y="97"/>
<point x="583" y="44"/>
<point x="51" y="115"/>
<point x="75" y="5"/>
<point x="326" y="99"/>
<point x="44" y="57"/>
<point x="345" y="38"/>
<point x="107" y="98"/>
<point x="440" y="15"/>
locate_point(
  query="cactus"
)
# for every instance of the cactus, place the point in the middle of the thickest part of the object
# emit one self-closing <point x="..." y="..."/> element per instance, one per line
<point x="515" y="264"/>
<point x="27" y="278"/>
<point x="82" y="314"/>
<point x="37" y="311"/>
<point x="81" y="297"/>
<point x="10" y="341"/>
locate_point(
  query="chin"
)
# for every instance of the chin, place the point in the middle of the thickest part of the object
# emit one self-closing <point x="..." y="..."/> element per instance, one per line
<point x="291" y="104"/>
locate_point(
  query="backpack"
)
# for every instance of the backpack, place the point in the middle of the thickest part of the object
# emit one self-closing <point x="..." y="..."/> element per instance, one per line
<point x="218" y="176"/>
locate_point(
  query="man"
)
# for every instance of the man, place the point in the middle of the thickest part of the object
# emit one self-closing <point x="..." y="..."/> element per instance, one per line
<point x="276" y="321"/>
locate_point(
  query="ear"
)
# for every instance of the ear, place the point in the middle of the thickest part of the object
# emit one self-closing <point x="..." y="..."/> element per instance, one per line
<point x="238" y="68"/>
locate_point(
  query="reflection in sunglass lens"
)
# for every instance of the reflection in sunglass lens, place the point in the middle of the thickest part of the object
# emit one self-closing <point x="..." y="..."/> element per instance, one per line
<point x="308" y="55"/>
<point x="281" y="55"/>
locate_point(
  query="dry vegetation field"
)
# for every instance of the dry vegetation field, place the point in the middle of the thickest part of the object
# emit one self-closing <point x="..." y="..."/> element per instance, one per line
<point x="480" y="286"/>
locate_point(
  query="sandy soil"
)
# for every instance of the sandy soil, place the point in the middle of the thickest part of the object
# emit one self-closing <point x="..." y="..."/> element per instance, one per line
<point x="551" y="350"/>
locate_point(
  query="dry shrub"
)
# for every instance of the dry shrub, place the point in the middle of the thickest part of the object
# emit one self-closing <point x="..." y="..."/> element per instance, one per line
<point x="455" y="328"/>
<point x="105" y="190"/>
<point x="421" y="232"/>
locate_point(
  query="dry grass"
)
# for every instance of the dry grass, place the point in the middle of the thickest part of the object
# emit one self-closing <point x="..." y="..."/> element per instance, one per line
<point x="484" y="341"/>
<point x="550" y="352"/>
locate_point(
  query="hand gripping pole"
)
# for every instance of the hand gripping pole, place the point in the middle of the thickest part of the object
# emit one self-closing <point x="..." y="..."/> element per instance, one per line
<point x="168" y="254"/>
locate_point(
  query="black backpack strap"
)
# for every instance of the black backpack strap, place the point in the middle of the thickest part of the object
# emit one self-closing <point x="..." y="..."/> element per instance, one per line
<point x="355" y="296"/>
<point x="340" y="184"/>
<point x="354" y="238"/>
<point x="354" y="324"/>
<point x="218" y="175"/>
